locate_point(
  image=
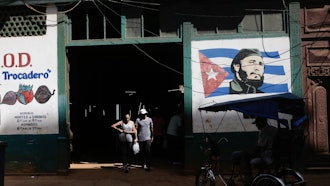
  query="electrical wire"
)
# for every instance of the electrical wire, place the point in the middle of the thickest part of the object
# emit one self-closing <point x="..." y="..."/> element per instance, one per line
<point x="35" y="10"/>
<point x="129" y="3"/>
<point x="98" y="8"/>
<point x="141" y="2"/>
<point x="150" y="57"/>
<point x="137" y="47"/>
<point x="136" y="6"/>
<point x="220" y="122"/>
<point x="28" y="5"/>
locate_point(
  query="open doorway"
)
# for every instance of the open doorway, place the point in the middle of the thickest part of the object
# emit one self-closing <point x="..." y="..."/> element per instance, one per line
<point x="109" y="81"/>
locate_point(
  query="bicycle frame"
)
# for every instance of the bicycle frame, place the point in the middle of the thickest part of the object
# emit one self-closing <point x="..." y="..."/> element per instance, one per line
<point x="209" y="172"/>
<point x="206" y="173"/>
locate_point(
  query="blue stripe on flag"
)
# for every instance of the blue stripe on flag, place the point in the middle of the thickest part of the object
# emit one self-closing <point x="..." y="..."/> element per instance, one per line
<point x="266" y="88"/>
<point x="276" y="70"/>
<point x="269" y="69"/>
<point x="219" y="52"/>
<point x="231" y="53"/>
<point x="220" y="91"/>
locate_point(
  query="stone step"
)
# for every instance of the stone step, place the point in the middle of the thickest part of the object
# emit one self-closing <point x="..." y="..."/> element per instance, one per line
<point x="318" y="166"/>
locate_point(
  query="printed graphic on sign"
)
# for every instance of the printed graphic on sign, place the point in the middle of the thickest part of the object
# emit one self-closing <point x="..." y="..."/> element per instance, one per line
<point x="25" y="95"/>
<point x="227" y="70"/>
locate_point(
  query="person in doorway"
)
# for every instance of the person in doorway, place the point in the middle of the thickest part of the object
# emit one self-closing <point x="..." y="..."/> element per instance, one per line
<point x="262" y="155"/>
<point x="248" y="67"/>
<point x="126" y="129"/>
<point x="144" y="126"/>
<point x="174" y="137"/>
<point x="159" y="132"/>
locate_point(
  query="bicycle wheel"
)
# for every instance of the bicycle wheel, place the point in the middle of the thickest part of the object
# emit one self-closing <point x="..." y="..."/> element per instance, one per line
<point x="267" y="180"/>
<point x="203" y="178"/>
<point x="291" y="177"/>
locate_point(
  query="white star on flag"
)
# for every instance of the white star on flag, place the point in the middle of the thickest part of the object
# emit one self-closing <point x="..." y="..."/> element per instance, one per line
<point x="212" y="74"/>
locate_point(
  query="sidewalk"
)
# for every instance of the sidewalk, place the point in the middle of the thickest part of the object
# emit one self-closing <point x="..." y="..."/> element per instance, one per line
<point x="162" y="174"/>
<point x="94" y="174"/>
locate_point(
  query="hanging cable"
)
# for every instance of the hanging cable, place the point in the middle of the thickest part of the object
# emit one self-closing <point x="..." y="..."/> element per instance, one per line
<point x="141" y="50"/>
<point x="127" y="4"/>
<point x="44" y="13"/>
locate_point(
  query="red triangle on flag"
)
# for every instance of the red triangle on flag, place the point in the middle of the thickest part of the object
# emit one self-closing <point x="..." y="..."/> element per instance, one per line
<point x="212" y="74"/>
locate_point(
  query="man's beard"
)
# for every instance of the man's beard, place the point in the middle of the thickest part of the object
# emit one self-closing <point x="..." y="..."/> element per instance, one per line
<point x="254" y="83"/>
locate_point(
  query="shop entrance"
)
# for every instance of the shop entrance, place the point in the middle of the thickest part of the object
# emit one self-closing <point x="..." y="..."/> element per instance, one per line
<point x="109" y="81"/>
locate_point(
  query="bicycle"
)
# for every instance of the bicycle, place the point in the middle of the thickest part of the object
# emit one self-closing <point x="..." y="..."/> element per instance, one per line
<point x="206" y="175"/>
<point x="210" y="170"/>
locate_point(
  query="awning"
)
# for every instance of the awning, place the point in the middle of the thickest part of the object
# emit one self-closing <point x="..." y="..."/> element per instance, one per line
<point x="264" y="106"/>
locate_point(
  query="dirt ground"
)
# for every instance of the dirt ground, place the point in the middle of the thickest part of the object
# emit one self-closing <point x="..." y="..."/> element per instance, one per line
<point x="107" y="174"/>
<point x="111" y="174"/>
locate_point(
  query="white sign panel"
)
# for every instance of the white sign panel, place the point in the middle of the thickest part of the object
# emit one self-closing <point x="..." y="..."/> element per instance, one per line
<point x="233" y="69"/>
<point x="28" y="90"/>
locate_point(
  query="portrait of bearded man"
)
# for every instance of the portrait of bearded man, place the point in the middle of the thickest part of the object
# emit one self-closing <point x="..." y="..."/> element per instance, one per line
<point x="248" y="68"/>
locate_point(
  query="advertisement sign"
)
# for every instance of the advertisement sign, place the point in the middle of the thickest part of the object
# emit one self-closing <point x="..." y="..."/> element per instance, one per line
<point x="28" y="82"/>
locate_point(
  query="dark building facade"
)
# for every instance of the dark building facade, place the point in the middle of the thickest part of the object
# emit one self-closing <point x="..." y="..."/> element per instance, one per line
<point x="114" y="57"/>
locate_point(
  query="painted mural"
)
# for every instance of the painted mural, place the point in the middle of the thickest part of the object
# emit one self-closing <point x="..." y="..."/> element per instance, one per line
<point x="233" y="69"/>
<point x="28" y="82"/>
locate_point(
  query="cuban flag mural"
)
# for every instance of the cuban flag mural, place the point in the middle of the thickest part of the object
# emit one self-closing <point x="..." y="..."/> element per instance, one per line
<point x="233" y="69"/>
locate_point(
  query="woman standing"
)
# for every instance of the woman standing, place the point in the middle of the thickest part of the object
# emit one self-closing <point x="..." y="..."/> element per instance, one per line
<point x="126" y="130"/>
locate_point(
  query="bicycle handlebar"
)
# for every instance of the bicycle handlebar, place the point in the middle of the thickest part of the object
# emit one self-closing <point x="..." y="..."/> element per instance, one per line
<point x="222" y="139"/>
<point x="218" y="142"/>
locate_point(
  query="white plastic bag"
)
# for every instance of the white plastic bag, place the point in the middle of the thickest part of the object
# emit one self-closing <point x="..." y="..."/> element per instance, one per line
<point x="136" y="148"/>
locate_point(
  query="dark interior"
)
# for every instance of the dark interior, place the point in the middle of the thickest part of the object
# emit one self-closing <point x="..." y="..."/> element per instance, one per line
<point x="129" y="76"/>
